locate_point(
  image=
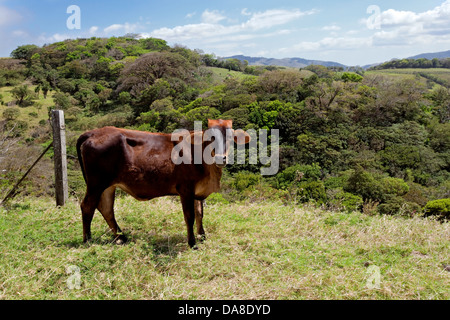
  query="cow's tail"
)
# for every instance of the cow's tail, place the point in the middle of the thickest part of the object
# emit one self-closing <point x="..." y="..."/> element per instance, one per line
<point x="80" y="141"/>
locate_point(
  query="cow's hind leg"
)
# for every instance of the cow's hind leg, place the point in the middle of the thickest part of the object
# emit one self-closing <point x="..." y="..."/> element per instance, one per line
<point x="106" y="208"/>
<point x="88" y="206"/>
<point x="189" y="218"/>
<point x="199" y="219"/>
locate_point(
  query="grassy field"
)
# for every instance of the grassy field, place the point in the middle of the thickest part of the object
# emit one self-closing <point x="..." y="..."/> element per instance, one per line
<point x="32" y="114"/>
<point x="253" y="251"/>
<point x="438" y="73"/>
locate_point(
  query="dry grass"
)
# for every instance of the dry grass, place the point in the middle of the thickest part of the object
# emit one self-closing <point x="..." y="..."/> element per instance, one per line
<point x="253" y="251"/>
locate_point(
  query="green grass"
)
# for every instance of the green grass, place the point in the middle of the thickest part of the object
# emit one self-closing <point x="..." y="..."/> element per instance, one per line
<point x="410" y="73"/>
<point x="220" y="74"/>
<point x="32" y="114"/>
<point x="253" y="251"/>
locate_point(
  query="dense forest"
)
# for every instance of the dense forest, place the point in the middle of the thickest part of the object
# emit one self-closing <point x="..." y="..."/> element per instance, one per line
<point x="348" y="141"/>
<point x="414" y="63"/>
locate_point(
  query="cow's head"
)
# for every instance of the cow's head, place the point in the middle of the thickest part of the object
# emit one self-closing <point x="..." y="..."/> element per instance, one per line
<point x="219" y="136"/>
<point x="224" y="135"/>
<point x="216" y="141"/>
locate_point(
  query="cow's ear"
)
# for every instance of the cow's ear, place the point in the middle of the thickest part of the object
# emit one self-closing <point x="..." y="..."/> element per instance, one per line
<point x="196" y="138"/>
<point x="241" y="137"/>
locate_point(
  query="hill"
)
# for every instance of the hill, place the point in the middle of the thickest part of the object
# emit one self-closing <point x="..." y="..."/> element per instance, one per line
<point x="428" y="56"/>
<point x="434" y="55"/>
<point x="340" y="149"/>
<point x="286" y="62"/>
<point x="427" y="76"/>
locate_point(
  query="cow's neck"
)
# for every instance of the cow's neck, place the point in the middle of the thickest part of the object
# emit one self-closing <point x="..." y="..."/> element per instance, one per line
<point x="210" y="183"/>
<point x="215" y="174"/>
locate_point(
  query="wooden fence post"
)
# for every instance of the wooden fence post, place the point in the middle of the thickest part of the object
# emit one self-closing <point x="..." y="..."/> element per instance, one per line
<point x="59" y="148"/>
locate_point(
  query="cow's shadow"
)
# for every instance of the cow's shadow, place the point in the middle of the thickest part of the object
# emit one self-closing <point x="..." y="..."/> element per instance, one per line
<point x="162" y="248"/>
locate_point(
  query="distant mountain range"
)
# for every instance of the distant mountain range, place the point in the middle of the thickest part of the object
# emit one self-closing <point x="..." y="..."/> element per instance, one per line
<point x="286" y="62"/>
<point x="301" y="63"/>
<point x="430" y="56"/>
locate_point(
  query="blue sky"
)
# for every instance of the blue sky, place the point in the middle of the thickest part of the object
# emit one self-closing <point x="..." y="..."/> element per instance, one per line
<point x="352" y="32"/>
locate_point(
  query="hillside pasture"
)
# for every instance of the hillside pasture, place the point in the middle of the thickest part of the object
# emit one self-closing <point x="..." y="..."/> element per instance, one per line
<point x="253" y="251"/>
<point x="412" y="73"/>
<point x="30" y="114"/>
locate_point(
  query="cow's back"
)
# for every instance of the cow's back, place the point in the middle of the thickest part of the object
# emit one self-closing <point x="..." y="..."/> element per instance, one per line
<point x="138" y="162"/>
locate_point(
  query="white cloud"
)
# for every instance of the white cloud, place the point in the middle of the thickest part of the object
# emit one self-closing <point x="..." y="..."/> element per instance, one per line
<point x="112" y="28"/>
<point x="332" y="27"/>
<point x="212" y="17"/>
<point x="20" y="34"/>
<point x="53" y="38"/>
<point x="211" y="29"/>
<point x="8" y="16"/>
<point x="93" y="30"/>
<point x="245" y="12"/>
<point x="123" y="28"/>
<point x="393" y="17"/>
<point x="330" y="43"/>
<point x="398" y="29"/>
<point x="272" y="18"/>
<point x="438" y="17"/>
<point x="407" y="27"/>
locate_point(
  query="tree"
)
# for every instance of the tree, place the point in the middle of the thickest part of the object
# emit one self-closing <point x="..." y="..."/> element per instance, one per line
<point x="24" y="52"/>
<point x="201" y="114"/>
<point x="22" y="95"/>
<point x="441" y="99"/>
<point x="154" y="44"/>
<point x="320" y="71"/>
<point x="283" y="83"/>
<point x="62" y="100"/>
<point x="351" y="77"/>
<point x="364" y="184"/>
<point x="11" y="113"/>
<point x="143" y="73"/>
<point x="439" y="207"/>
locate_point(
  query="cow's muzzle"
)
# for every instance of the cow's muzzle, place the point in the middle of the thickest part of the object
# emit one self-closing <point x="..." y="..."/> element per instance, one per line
<point x="221" y="161"/>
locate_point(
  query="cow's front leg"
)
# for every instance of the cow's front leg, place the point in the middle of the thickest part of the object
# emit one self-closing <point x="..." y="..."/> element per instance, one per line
<point x="199" y="219"/>
<point x="189" y="217"/>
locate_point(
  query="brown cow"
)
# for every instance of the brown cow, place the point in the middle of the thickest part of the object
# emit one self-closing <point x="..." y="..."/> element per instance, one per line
<point x="142" y="164"/>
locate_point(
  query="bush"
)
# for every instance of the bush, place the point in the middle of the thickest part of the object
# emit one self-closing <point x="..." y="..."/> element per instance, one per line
<point x="245" y="179"/>
<point x="314" y="190"/>
<point x="298" y="173"/>
<point x="264" y="192"/>
<point x="11" y="113"/>
<point x="440" y="208"/>
<point x="17" y="128"/>
<point x="364" y="184"/>
<point x="394" y="186"/>
<point x="351" y="77"/>
<point x="398" y="206"/>
<point x="23" y="96"/>
<point x="339" y="181"/>
<point x="345" y="200"/>
<point x="216" y="198"/>
<point x="62" y="100"/>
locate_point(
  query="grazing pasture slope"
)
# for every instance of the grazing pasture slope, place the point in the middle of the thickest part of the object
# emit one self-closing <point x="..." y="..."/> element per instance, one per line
<point x="261" y="250"/>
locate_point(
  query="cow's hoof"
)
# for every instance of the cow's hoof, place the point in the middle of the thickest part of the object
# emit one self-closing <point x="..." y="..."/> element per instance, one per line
<point x="194" y="247"/>
<point x="120" y="239"/>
